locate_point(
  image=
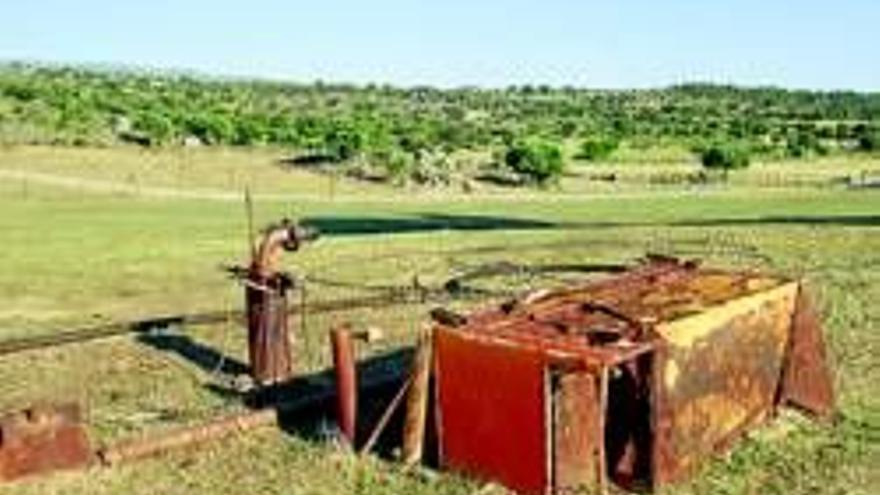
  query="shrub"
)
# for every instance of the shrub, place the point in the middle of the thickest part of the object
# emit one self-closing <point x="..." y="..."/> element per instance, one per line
<point x="156" y="127"/>
<point x="342" y="142"/>
<point x="398" y="165"/>
<point x="869" y="142"/>
<point x="868" y="139"/>
<point x="725" y="157"/>
<point x="537" y="161"/>
<point x="250" y="131"/>
<point x="802" y="144"/>
<point x="597" y="148"/>
<point x="210" y="128"/>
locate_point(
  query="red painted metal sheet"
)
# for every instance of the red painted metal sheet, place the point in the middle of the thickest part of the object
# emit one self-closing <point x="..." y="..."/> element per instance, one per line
<point x="492" y="411"/>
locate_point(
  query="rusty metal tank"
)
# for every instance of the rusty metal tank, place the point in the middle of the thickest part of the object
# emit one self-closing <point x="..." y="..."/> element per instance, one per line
<point x="634" y="379"/>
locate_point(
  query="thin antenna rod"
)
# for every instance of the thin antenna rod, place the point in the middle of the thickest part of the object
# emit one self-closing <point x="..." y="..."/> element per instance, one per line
<point x="249" y="211"/>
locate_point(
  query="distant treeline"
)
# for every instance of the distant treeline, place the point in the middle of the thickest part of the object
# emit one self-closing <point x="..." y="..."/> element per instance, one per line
<point x="336" y="123"/>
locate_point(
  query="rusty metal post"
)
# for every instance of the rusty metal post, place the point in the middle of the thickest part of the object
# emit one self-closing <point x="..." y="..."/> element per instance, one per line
<point x="268" y="338"/>
<point x="346" y="382"/>
<point x="417" y="402"/>
<point x="266" y="288"/>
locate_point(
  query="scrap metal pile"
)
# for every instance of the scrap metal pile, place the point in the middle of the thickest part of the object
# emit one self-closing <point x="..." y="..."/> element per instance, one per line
<point x="635" y="378"/>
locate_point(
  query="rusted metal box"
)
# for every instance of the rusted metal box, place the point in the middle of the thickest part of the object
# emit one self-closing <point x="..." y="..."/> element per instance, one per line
<point x="40" y="439"/>
<point x="635" y="379"/>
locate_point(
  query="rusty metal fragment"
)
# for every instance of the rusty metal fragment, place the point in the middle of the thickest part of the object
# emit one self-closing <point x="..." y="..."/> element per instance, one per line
<point x="806" y="379"/>
<point x="41" y="439"/>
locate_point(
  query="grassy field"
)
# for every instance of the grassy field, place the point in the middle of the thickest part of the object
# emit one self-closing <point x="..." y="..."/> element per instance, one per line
<point x="129" y="235"/>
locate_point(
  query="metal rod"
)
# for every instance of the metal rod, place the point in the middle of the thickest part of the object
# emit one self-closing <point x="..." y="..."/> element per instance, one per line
<point x="15" y="345"/>
<point x="386" y="416"/>
<point x="249" y="212"/>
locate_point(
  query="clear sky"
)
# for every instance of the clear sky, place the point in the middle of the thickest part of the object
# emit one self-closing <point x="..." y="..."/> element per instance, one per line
<point x="624" y="43"/>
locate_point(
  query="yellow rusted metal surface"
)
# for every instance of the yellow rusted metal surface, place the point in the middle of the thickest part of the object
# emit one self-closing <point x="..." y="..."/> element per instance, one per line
<point x="721" y="371"/>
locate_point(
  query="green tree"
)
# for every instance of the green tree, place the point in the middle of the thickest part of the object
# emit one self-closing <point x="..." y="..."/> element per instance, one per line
<point x="597" y="148"/>
<point x="868" y="138"/>
<point x="342" y="142"/>
<point x="210" y="128"/>
<point x="725" y="157"/>
<point x="158" y="128"/>
<point x="250" y="130"/>
<point x="538" y="161"/>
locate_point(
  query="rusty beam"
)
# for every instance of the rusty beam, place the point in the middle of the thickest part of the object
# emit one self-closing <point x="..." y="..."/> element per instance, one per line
<point x="190" y="436"/>
<point x="417" y="402"/>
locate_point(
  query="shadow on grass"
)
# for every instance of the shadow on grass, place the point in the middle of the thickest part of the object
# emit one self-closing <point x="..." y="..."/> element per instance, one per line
<point x="305" y="404"/>
<point x="343" y="225"/>
<point x="354" y="225"/>
<point x="833" y="220"/>
<point x="204" y="357"/>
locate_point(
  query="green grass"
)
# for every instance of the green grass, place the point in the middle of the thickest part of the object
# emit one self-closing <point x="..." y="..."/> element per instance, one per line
<point x="81" y="256"/>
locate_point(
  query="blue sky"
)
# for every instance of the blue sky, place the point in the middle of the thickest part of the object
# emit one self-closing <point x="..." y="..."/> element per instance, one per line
<point x="626" y="43"/>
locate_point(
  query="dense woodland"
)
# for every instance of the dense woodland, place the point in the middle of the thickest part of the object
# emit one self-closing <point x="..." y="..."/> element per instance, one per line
<point x="420" y="132"/>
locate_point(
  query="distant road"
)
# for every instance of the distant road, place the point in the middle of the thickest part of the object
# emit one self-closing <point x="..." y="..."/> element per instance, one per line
<point x="148" y="191"/>
<point x="113" y="187"/>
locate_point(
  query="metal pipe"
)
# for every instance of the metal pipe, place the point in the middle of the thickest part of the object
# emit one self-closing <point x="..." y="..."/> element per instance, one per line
<point x="150" y="446"/>
<point x="346" y="382"/>
<point x="342" y="340"/>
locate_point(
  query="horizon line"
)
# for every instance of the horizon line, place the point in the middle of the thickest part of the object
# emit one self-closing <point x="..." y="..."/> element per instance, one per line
<point x="170" y="71"/>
